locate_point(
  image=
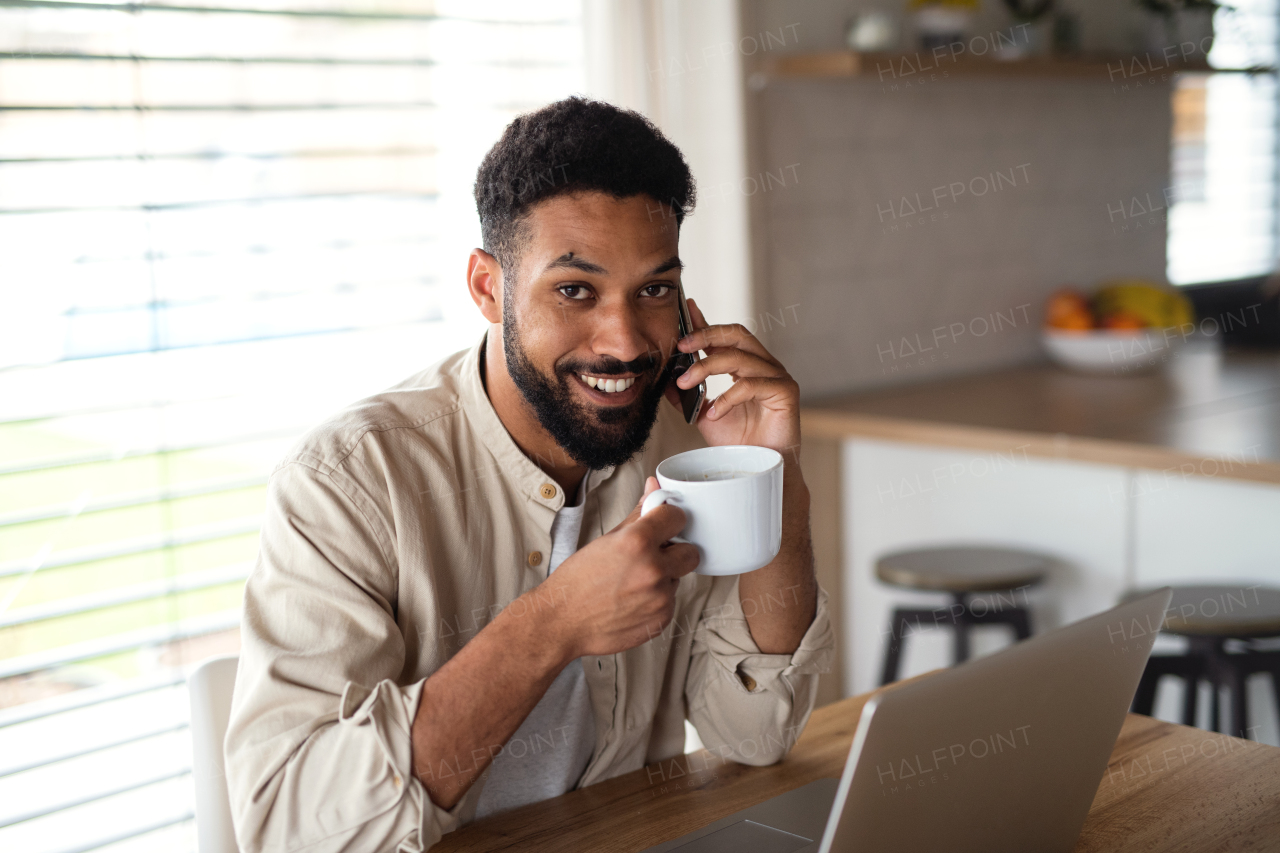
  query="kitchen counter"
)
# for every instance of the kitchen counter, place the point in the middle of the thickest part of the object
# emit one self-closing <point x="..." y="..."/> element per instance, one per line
<point x="1209" y="414"/>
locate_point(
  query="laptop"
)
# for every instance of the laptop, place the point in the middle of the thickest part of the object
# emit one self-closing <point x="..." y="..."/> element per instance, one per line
<point x="1002" y="753"/>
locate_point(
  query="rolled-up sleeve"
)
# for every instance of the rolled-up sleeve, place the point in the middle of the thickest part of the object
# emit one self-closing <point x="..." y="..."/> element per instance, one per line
<point x="318" y="749"/>
<point x="746" y="705"/>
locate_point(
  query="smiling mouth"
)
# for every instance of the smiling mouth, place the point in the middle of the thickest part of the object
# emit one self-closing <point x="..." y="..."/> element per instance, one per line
<point x="607" y="384"/>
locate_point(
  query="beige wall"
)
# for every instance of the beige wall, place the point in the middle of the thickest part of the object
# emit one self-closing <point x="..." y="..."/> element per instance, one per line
<point x="864" y="277"/>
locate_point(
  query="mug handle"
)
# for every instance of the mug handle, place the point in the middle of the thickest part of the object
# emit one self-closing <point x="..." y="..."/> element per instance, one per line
<point x="655" y="499"/>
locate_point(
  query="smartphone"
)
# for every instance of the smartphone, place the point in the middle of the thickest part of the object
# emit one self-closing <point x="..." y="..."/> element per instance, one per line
<point x="691" y="399"/>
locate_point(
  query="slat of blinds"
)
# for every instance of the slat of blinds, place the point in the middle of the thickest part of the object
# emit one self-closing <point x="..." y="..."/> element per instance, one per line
<point x="242" y="296"/>
<point x="211" y="376"/>
<point x="133" y="594"/>
<point x="81" y="106"/>
<point x="338" y="14"/>
<point x="73" y="134"/>
<point x="187" y="32"/>
<point x="88" y="697"/>
<point x="34" y="242"/>
<point x="116" y="838"/>
<point x="178" y="84"/>
<point x="94" y="797"/>
<point x="238" y="202"/>
<point x="127" y="547"/>
<point x="126" y="453"/>
<point x="252" y="281"/>
<point x="47" y="513"/>
<point x="228" y="425"/>
<point x="479" y="62"/>
<point x="222" y="155"/>
<point x="67" y="755"/>
<point x="165" y="186"/>
<point x="171" y="632"/>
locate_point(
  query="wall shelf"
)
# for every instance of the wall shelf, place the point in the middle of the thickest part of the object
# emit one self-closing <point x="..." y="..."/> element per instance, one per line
<point x="904" y="67"/>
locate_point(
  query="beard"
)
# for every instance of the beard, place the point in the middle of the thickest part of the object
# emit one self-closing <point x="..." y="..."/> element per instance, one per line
<point x="594" y="436"/>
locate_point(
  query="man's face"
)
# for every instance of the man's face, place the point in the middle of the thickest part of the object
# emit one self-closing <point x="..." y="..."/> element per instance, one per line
<point x="594" y="307"/>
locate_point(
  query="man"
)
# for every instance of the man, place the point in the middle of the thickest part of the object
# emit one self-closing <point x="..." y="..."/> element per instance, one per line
<point x="457" y="608"/>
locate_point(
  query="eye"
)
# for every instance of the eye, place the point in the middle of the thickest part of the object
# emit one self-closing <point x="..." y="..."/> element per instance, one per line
<point x="656" y="291"/>
<point x="576" y="292"/>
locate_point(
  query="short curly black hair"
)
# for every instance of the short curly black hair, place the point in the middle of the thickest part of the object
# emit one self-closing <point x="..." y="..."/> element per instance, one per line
<point x="574" y="145"/>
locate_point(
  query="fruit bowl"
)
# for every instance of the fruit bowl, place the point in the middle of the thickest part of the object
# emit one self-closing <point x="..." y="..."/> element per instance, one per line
<point x="1113" y="352"/>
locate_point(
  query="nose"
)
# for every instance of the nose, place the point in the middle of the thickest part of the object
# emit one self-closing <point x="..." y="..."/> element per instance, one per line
<point x="617" y="332"/>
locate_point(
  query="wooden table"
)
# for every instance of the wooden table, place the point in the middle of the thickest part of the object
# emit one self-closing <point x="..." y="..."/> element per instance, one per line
<point x="1167" y="787"/>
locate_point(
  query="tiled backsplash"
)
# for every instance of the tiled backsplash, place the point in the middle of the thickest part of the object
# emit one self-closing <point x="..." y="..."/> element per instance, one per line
<point x="913" y="233"/>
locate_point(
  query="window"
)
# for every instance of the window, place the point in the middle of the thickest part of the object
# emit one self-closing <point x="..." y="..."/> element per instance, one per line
<point x="1224" y="193"/>
<point x="219" y="223"/>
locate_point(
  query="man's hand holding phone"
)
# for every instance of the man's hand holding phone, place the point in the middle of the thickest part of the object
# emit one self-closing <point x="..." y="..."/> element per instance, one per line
<point x="762" y="407"/>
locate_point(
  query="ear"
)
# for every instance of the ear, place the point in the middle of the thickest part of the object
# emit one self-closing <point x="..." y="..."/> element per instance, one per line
<point x="484" y="281"/>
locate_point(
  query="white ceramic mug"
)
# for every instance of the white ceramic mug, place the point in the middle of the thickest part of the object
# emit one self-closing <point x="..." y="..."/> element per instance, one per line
<point x="732" y="499"/>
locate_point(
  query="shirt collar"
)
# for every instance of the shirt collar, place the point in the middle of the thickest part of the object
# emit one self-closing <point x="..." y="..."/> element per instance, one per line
<point x="535" y="483"/>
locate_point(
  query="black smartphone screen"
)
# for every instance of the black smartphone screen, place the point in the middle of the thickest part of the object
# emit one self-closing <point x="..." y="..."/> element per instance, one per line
<point x="690" y="398"/>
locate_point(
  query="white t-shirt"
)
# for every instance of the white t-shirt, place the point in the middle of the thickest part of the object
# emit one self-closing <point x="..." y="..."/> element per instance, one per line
<point x="549" y="752"/>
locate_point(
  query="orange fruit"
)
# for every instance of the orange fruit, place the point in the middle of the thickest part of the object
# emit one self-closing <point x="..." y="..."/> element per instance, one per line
<point x="1068" y="309"/>
<point x="1076" y="322"/>
<point x="1122" y="320"/>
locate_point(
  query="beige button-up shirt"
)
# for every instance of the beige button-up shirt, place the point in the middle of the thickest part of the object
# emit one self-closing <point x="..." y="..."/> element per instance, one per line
<point x="394" y="533"/>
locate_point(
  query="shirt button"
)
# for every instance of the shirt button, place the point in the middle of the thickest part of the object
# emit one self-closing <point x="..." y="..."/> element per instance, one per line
<point x="535" y="558"/>
<point x="748" y="682"/>
<point x="548" y="491"/>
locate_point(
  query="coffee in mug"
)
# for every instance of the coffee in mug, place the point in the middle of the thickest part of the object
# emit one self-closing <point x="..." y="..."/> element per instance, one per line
<point x="732" y="499"/>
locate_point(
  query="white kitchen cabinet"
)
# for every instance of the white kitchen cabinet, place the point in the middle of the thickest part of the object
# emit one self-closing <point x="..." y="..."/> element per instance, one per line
<point x="900" y="496"/>
<point x="1107" y="528"/>
<point x="1206" y="529"/>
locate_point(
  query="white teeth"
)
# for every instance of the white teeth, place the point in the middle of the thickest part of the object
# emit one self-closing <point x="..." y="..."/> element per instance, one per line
<point x="609" y="386"/>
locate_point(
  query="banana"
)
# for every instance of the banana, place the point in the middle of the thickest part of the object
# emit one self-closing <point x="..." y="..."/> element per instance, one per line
<point x="1158" y="307"/>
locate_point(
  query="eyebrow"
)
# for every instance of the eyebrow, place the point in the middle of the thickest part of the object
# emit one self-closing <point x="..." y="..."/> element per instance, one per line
<point x="671" y="263"/>
<point x="568" y="261"/>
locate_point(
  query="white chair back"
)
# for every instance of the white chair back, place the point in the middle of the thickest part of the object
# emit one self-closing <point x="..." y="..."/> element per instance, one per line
<point x="210" y="688"/>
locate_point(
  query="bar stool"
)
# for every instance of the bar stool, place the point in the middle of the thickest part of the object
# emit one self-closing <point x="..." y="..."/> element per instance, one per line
<point x="962" y="572"/>
<point x="1222" y="624"/>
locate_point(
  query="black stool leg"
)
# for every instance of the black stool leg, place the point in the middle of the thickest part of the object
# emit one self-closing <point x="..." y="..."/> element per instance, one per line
<point x="960" y="624"/>
<point x="1144" y="700"/>
<point x="1275" y="687"/>
<point x="1021" y="623"/>
<point x="1190" y="699"/>
<point x="1222" y="671"/>
<point x="1016" y="618"/>
<point x="960" y="651"/>
<point x="1158" y="666"/>
<point x="1236" y="692"/>
<point x="893" y="651"/>
<point x="960" y="619"/>
<point x="1268" y="662"/>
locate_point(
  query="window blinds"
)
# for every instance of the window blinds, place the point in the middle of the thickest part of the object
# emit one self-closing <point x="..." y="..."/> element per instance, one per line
<point x="1223" y="195"/>
<point x="219" y="222"/>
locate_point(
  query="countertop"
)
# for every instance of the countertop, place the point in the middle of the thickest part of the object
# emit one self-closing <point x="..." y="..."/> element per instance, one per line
<point x="1207" y="413"/>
